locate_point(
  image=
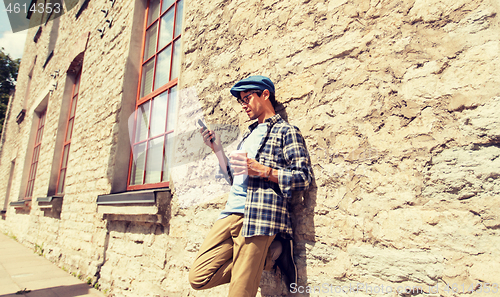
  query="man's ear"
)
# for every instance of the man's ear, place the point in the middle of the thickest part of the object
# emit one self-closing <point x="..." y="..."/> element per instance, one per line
<point x="266" y="94"/>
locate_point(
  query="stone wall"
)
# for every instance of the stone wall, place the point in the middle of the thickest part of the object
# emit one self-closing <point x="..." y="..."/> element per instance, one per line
<point x="397" y="101"/>
<point x="381" y="90"/>
<point x="75" y="241"/>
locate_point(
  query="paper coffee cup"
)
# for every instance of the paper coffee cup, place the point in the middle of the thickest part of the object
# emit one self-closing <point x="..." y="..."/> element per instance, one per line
<point x="239" y="152"/>
<point x="239" y="179"/>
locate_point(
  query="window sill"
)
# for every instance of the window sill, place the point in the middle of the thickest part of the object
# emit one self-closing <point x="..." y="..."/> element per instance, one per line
<point x="50" y="202"/>
<point x="19" y="203"/>
<point x="22" y="205"/>
<point x="152" y="206"/>
<point x="51" y="205"/>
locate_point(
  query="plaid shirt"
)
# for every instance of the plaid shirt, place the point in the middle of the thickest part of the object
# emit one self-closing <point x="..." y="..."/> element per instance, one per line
<point x="267" y="207"/>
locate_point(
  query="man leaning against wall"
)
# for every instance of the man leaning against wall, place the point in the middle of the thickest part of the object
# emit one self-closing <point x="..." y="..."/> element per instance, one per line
<point x="254" y="231"/>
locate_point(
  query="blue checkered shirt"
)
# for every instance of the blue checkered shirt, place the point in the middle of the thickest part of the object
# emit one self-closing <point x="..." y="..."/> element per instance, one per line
<point x="267" y="206"/>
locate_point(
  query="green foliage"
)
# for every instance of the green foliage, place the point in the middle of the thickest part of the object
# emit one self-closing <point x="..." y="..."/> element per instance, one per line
<point x="39" y="249"/>
<point x="8" y="76"/>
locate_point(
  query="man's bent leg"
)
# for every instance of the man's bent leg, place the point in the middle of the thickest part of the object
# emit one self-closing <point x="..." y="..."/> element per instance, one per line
<point x="214" y="261"/>
<point x="249" y="258"/>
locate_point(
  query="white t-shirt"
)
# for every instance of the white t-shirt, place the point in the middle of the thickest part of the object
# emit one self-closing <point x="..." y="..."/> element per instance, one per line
<point x="238" y="194"/>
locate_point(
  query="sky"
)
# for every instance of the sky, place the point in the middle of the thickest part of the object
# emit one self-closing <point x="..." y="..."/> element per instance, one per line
<point x="13" y="43"/>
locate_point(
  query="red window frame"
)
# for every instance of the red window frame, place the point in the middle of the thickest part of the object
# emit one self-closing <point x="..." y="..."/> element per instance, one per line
<point x="36" y="154"/>
<point x="70" y="123"/>
<point x="161" y="47"/>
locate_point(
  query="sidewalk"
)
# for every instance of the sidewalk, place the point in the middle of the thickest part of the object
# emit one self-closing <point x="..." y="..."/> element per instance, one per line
<point x="21" y="268"/>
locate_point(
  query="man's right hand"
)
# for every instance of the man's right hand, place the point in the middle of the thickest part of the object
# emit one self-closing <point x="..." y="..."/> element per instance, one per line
<point x="207" y="135"/>
<point x="216" y="148"/>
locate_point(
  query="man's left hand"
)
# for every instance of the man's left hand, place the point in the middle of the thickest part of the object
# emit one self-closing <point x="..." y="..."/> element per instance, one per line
<point x="244" y="165"/>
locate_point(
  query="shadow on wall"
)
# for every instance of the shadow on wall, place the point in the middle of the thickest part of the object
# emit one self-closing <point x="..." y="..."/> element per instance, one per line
<point x="280" y="109"/>
<point x="23" y="211"/>
<point x="66" y="291"/>
<point x="303" y="204"/>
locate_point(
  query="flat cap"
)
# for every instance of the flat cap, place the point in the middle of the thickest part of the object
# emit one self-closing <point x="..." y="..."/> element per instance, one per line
<point x="254" y="82"/>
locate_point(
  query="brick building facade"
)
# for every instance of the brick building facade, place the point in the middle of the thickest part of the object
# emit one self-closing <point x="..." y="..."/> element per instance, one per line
<point x="102" y="167"/>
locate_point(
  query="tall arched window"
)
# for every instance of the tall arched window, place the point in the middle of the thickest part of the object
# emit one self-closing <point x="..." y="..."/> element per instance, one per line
<point x="157" y="96"/>
<point x="61" y="179"/>
<point x="36" y="154"/>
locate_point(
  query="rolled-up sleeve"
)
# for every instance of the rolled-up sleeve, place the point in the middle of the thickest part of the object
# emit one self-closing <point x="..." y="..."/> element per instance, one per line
<point x="297" y="174"/>
<point x="229" y="176"/>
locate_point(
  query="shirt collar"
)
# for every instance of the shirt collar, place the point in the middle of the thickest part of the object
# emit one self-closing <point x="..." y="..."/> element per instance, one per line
<point x="270" y="122"/>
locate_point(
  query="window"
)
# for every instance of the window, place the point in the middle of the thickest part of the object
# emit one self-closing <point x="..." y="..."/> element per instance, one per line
<point x="61" y="179"/>
<point x="36" y="154"/>
<point x="157" y="96"/>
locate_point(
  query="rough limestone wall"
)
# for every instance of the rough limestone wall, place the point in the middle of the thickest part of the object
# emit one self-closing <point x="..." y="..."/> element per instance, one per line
<point x="396" y="100"/>
<point x="83" y="232"/>
<point x="20" y="223"/>
<point x="17" y="135"/>
<point x="391" y="98"/>
<point x="76" y="241"/>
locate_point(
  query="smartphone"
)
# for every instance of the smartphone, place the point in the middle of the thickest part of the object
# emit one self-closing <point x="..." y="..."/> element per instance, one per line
<point x="200" y="122"/>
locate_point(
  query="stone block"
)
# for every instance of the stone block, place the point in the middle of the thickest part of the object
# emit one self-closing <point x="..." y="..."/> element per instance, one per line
<point x="400" y="266"/>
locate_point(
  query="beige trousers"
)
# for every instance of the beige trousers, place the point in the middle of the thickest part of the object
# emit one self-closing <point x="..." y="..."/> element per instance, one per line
<point x="226" y="256"/>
